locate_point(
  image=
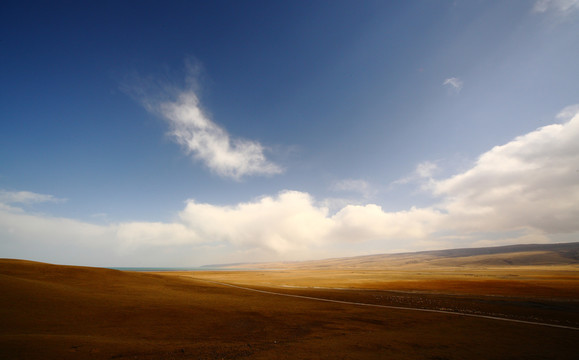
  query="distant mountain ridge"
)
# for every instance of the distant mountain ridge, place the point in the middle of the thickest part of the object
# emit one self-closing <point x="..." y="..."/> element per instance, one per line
<point x="509" y="255"/>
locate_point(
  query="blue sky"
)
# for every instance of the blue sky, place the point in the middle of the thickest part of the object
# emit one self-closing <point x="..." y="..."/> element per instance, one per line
<point x="182" y="133"/>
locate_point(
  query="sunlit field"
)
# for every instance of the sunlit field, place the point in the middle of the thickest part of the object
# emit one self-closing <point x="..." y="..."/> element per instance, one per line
<point x="60" y="312"/>
<point x="536" y="282"/>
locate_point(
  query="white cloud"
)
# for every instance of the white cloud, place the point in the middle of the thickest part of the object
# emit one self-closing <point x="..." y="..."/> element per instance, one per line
<point x="531" y="182"/>
<point x="53" y="239"/>
<point x="370" y="222"/>
<point x="287" y="223"/>
<point x="560" y="6"/>
<point x="69" y="241"/>
<point x="26" y="197"/>
<point x="288" y="226"/>
<point x="526" y="190"/>
<point x="210" y="143"/>
<point x="138" y="234"/>
<point x="291" y="224"/>
<point x="454" y="83"/>
<point x="193" y="129"/>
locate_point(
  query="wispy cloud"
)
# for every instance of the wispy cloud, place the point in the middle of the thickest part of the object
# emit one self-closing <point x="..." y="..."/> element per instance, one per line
<point x="559" y="6"/>
<point x="358" y="186"/>
<point x="193" y="129"/>
<point x="426" y="169"/>
<point x="26" y="197"/>
<point x="210" y="143"/>
<point x="454" y="82"/>
<point x="568" y="113"/>
<point x="423" y="174"/>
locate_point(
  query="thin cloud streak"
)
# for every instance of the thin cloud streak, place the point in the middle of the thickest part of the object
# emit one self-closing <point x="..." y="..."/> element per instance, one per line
<point x="358" y="186"/>
<point x="454" y="83"/>
<point x="26" y="197"/>
<point x="423" y="176"/>
<point x="560" y="6"/>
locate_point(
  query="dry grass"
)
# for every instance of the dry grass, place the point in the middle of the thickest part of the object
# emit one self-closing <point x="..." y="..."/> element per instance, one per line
<point x="56" y="312"/>
<point x="537" y="282"/>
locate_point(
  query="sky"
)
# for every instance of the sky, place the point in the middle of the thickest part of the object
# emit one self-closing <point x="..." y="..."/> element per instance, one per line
<point x="186" y="133"/>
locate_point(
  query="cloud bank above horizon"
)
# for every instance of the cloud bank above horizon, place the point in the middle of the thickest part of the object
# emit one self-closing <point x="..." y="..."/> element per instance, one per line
<point x="526" y="190"/>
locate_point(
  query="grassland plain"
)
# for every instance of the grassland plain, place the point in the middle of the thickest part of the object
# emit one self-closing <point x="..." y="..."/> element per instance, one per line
<point x="63" y="312"/>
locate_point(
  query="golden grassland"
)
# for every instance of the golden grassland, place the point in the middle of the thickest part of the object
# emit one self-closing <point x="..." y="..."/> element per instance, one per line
<point x="532" y="281"/>
<point x="64" y="312"/>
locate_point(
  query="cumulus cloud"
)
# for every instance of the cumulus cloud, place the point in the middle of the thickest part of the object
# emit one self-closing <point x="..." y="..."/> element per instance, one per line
<point x="369" y="222"/>
<point x="454" y="83"/>
<point x="289" y="222"/>
<point x="559" y="6"/>
<point x="290" y="225"/>
<point x="532" y="182"/>
<point x="210" y="143"/>
<point x="529" y="186"/>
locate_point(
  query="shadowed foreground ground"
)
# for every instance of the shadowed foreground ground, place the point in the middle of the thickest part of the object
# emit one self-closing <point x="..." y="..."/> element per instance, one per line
<point x="57" y="312"/>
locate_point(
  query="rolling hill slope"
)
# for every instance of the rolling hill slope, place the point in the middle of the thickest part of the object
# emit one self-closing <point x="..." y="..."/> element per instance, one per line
<point x="561" y="254"/>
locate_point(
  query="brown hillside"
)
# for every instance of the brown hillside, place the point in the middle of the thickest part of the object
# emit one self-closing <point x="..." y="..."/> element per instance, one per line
<point x="65" y="312"/>
<point x="564" y="254"/>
